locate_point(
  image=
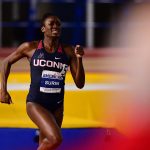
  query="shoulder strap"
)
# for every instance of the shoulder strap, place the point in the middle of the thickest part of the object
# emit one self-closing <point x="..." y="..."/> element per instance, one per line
<point x="40" y="45"/>
<point x="60" y="49"/>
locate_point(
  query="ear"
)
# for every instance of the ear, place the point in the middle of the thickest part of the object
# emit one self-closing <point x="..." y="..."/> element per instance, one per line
<point x="43" y="29"/>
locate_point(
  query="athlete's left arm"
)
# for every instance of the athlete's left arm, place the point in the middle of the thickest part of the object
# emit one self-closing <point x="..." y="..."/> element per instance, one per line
<point x="76" y="66"/>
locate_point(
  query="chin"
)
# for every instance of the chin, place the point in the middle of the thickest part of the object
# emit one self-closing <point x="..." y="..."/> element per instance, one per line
<point x="55" y="36"/>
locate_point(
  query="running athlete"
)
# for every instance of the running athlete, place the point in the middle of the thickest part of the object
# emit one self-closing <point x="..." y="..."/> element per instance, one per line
<point x="49" y="60"/>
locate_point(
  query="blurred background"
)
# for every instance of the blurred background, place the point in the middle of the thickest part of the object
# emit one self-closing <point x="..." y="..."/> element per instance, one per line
<point x="87" y="22"/>
<point x="107" y="114"/>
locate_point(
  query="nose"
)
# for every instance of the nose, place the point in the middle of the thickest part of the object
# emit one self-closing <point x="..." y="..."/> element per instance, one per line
<point x="55" y="25"/>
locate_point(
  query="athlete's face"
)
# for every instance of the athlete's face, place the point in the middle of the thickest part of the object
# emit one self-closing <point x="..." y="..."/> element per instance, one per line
<point x="52" y="27"/>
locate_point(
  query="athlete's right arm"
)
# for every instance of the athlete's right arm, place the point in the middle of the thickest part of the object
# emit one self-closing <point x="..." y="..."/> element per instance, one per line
<point x="19" y="53"/>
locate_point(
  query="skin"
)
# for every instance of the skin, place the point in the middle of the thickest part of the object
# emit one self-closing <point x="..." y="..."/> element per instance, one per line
<point x="48" y="123"/>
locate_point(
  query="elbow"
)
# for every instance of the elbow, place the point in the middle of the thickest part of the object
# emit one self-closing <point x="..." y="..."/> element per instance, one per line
<point x="5" y="63"/>
<point x="80" y="86"/>
<point x="80" y="81"/>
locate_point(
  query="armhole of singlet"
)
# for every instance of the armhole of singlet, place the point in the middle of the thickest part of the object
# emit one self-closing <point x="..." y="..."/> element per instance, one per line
<point x="40" y="41"/>
<point x="63" y="51"/>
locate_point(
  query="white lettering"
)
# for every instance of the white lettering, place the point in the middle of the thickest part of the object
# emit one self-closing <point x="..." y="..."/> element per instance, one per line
<point x="50" y="90"/>
<point x="42" y="62"/>
<point x="48" y="63"/>
<point x="36" y="62"/>
<point x="57" y="65"/>
<point x="51" y="83"/>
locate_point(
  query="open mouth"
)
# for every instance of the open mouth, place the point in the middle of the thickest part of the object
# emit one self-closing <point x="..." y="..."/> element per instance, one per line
<point x="55" y="31"/>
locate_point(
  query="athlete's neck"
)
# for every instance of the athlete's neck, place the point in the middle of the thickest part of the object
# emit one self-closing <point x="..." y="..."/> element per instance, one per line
<point x="51" y="44"/>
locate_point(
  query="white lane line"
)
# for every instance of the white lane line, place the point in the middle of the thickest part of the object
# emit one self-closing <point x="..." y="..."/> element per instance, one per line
<point x="72" y="87"/>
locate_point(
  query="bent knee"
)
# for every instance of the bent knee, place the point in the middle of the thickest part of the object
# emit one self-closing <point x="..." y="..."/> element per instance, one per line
<point x="57" y="139"/>
<point x="54" y="140"/>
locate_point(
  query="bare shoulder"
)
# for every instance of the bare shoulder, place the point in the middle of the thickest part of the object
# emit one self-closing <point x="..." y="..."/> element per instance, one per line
<point x="27" y="48"/>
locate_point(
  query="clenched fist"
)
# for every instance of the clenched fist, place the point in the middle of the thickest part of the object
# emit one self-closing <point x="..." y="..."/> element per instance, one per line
<point x="5" y="98"/>
<point x="79" y="52"/>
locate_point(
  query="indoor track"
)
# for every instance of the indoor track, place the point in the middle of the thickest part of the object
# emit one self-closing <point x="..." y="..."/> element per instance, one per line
<point x="89" y="118"/>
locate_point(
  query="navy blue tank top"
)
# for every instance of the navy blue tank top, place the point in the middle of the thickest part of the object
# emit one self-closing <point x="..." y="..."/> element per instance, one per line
<point x="48" y="72"/>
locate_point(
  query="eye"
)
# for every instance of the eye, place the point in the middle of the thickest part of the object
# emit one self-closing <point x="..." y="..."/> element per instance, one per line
<point x="51" y="23"/>
<point x="58" y="23"/>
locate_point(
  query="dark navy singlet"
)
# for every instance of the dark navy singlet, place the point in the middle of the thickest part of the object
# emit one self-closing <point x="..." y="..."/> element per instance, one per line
<point x="48" y="72"/>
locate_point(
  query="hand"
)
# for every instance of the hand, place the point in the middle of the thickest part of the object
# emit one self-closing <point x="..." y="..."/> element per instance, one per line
<point x="5" y="98"/>
<point x="79" y="52"/>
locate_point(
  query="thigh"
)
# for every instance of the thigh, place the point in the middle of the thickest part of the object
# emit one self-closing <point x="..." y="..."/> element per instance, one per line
<point x="43" y="119"/>
<point x="58" y="114"/>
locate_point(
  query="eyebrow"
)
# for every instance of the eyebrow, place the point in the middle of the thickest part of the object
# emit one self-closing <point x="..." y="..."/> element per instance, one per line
<point x="57" y="21"/>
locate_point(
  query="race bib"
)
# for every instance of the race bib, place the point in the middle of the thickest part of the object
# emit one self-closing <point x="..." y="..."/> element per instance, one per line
<point x="51" y="82"/>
